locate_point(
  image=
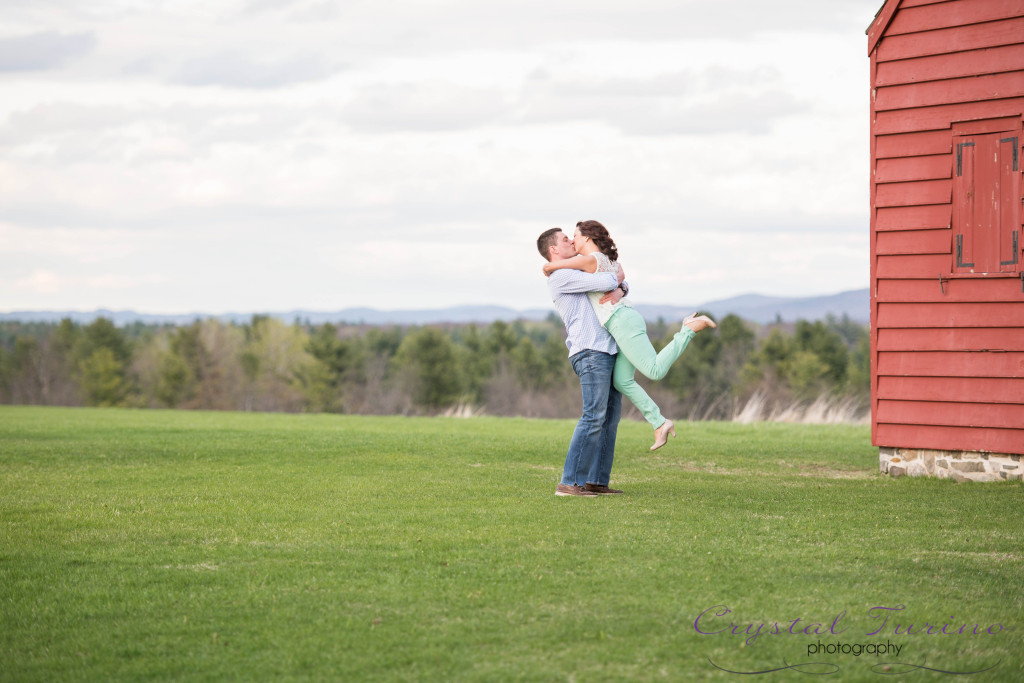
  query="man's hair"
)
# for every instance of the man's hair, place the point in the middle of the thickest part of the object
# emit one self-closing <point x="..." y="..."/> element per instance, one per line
<point x="547" y="240"/>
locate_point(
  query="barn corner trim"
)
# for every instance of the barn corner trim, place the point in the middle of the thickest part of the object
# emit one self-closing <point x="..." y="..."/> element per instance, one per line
<point x="881" y="22"/>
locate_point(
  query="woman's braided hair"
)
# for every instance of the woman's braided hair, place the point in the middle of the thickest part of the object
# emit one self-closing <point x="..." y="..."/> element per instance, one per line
<point x="602" y="239"/>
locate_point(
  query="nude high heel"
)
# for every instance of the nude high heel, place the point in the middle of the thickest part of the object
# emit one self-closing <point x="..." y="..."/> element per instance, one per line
<point x="661" y="434"/>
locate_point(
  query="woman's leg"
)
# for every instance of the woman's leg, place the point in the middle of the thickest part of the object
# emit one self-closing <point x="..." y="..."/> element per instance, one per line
<point x="630" y="333"/>
<point x="624" y="380"/>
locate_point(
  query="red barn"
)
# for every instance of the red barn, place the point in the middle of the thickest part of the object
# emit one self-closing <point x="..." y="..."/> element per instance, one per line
<point x="947" y="284"/>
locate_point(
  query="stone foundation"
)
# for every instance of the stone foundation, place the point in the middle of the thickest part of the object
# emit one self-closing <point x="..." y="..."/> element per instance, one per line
<point x="959" y="465"/>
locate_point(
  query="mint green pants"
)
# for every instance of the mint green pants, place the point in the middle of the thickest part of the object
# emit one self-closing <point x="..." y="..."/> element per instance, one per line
<point x="636" y="352"/>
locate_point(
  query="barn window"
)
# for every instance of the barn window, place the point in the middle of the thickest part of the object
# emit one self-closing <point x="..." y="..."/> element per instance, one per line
<point x="987" y="202"/>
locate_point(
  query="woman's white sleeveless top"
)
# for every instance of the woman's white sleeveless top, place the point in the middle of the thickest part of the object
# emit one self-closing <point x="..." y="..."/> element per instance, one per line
<point x="604" y="311"/>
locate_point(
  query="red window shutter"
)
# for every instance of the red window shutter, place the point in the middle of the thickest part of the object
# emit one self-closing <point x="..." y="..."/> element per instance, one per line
<point x="986" y="203"/>
<point x="1008" y="159"/>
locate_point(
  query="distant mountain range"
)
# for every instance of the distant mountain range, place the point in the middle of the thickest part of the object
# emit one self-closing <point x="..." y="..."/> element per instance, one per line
<point x="855" y="304"/>
<point x="757" y="308"/>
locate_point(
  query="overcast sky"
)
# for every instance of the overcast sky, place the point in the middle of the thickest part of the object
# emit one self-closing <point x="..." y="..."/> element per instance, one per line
<point x="262" y="155"/>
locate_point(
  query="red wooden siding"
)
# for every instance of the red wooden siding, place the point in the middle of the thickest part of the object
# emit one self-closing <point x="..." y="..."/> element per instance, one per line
<point x="956" y="414"/>
<point x="914" y="242"/>
<point x="947" y="341"/>
<point x="914" y="193"/>
<point x="951" y="364"/>
<point x="969" y="389"/>
<point x="955" y="14"/>
<point x="948" y="438"/>
<point x="919" y="167"/>
<point x="913" y="144"/>
<point x="961" y="340"/>
<point x="916" y="3"/>
<point x="930" y="266"/>
<point x="961" y="290"/>
<point x="912" y="218"/>
<point x="959" y="39"/>
<point x="950" y="314"/>
<point x="961" y="64"/>
<point x="938" y="117"/>
<point x="947" y="91"/>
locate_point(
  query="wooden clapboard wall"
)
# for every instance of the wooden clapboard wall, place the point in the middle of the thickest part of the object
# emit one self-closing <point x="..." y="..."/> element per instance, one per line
<point x="947" y="294"/>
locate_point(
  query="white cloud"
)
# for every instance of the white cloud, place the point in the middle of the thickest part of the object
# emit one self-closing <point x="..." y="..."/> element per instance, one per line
<point x="115" y="281"/>
<point x="43" y="50"/>
<point x="699" y="114"/>
<point x="424" y="106"/>
<point x="234" y="70"/>
<point x="249" y="156"/>
<point x="41" y="282"/>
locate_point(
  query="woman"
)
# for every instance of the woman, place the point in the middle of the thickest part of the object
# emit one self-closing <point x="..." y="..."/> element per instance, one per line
<point x="596" y="252"/>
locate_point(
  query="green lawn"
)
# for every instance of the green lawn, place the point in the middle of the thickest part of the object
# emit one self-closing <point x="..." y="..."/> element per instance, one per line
<point x="142" y="545"/>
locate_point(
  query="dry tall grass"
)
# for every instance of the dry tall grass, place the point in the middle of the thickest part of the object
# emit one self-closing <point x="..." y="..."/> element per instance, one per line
<point x="825" y="409"/>
<point x="564" y="403"/>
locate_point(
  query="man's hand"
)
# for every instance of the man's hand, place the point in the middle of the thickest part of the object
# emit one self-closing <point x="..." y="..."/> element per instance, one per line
<point x="612" y="297"/>
<point x="621" y="274"/>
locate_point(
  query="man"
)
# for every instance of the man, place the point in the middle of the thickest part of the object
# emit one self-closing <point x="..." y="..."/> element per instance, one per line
<point x="588" y="463"/>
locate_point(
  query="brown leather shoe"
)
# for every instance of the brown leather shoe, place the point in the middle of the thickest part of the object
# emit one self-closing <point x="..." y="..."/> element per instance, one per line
<point x="601" y="490"/>
<point x="573" y="490"/>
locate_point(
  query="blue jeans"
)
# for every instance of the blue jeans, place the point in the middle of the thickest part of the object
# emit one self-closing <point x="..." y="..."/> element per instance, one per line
<point x="592" y="448"/>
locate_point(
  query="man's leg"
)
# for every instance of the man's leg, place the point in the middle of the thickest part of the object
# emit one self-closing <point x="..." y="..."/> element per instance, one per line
<point x="602" y="471"/>
<point x="594" y="370"/>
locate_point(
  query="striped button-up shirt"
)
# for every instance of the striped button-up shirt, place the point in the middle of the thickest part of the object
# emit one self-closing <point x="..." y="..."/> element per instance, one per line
<point x="569" y="292"/>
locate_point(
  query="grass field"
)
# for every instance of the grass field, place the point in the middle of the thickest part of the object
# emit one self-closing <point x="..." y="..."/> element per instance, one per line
<point x="140" y="545"/>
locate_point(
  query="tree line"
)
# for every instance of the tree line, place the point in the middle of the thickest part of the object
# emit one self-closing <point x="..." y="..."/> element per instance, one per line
<point x="518" y="368"/>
